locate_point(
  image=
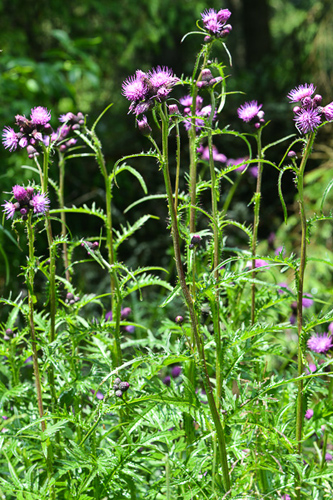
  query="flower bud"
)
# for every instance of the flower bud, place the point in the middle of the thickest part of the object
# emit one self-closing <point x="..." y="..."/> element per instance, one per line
<point x="179" y="320"/>
<point x="117" y="381"/>
<point x="123" y="386"/>
<point x="69" y="296"/>
<point x="144" y="126"/>
<point x="196" y="239"/>
<point x="291" y="154"/>
<point x="173" y="109"/>
<point x="119" y="393"/>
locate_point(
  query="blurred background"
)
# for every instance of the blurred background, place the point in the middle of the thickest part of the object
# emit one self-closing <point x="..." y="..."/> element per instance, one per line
<point x="74" y="56"/>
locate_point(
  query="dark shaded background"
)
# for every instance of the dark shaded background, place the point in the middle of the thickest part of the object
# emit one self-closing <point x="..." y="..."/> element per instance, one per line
<point x="73" y="56"/>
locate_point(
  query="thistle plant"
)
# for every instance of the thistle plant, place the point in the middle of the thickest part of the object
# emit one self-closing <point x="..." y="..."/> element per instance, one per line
<point x="210" y="379"/>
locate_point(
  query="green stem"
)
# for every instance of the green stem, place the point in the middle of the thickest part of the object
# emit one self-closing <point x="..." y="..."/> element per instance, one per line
<point x="300" y="287"/>
<point x="63" y="214"/>
<point x="31" y="275"/>
<point x="190" y="305"/>
<point x="257" y="198"/>
<point x="178" y="166"/>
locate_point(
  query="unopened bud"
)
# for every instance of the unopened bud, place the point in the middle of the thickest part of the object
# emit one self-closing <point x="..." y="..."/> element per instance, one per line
<point x="179" y="320"/>
<point x="144" y="126"/>
<point x="123" y="386"/>
<point x="119" y="393"/>
<point x="173" y="109"/>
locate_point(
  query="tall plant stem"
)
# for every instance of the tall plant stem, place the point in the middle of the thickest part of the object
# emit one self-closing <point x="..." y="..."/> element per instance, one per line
<point x="178" y="166"/>
<point x="192" y="140"/>
<point x="63" y="214"/>
<point x="52" y="270"/>
<point x="115" y="293"/>
<point x="257" y="199"/>
<point x="216" y="255"/>
<point x="190" y="305"/>
<point x="31" y="275"/>
<point x="300" y="287"/>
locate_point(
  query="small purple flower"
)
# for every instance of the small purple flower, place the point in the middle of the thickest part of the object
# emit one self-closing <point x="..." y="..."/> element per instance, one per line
<point x="307" y="301"/>
<point x="20" y="193"/>
<point x="286" y="497"/>
<point x="328" y="457"/>
<point x="248" y="111"/>
<point x="40" y="116"/>
<point x="223" y="15"/>
<point x="220" y="157"/>
<point x="257" y="263"/>
<point x="9" y="209"/>
<point x="167" y="380"/>
<point x="283" y="287"/>
<point x="292" y="319"/>
<point x="307" y="120"/>
<point x="40" y="203"/>
<point x="312" y="368"/>
<point x="176" y="371"/>
<point x="144" y="126"/>
<point x="129" y="328"/>
<point x="280" y="250"/>
<point x="320" y="343"/>
<point x="330" y="327"/>
<point x="99" y="395"/>
<point x="328" y="111"/>
<point x="309" y="414"/>
<point x="10" y="139"/>
<point x="161" y="77"/>
<point x="179" y="320"/>
<point x="300" y="92"/>
<point x="108" y="316"/>
<point x="214" y="22"/>
<point x="134" y="88"/>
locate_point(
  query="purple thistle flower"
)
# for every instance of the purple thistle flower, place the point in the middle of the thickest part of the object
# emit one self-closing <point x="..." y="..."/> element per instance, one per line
<point x="134" y="88"/>
<point x="167" y="380"/>
<point x="223" y="15"/>
<point x="220" y="157"/>
<point x="328" y="457"/>
<point x="307" y="301"/>
<point x="161" y="77"/>
<point x="9" y="139"/>
<point x="330" y="327"/>
<point x="40" y="203"/>
<point x="309" y="414"/>
<point x="286" y="497"/>
<point x="129" y="328"/>
<point x="176" y="371"/>
<point x="320" y="343"/>
<point x="20" y="193"/>
<point x="328" y="111"/>
<point x="9" y="209"/>
<point x="312" y="368"/>
<point x="108" y="316"/>
<point x="300" y="92"/>
<point x="307" y="120"/>
<point x="40" y="116"/>
<point x="66" y="117"/>
<point x="248" y="111"/>
<point x="144" y="126"/>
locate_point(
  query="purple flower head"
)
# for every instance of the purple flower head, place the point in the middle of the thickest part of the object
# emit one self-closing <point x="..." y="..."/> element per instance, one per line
<point x="283" y="287"/>
<point x="125" y="312"/>
<point x="129" y="328"/>
<point x="328" y="457"/>
<point x="223" y="15"/>
<point x="176" y="371"/>
<point x="9" y="209"/>
<point x="312" y="368"/>
<point x="144" y="126"/>
<point x="161" y="77"/>
<point x="10" y="139"/>
<point x="320" y="342"/>
<point x="299" y="93"/>
<point x="108" y="316"/>
<point x="307" y="301"/>
<point x="307" y="120"/>
<point x="99" y="395"/>
<point x="254" y="171"/>
<point x="66" y="117"/>
<point x="309" y="414"/>
<point x="279" y="250"/>
<point x="292" y="319"/>
<point x="330" y="327"/>
<point x="134" y="88"/>
<point x="328" y="111"/>
<point x="40" y="116"/>
<point x="220" y="157"/>
<point x="179" y="320"/>
<point x="167" y="380"/>
<point x="40" y="203"/>
<point x="257" y="263"/>
<point x="286" y="497"/>
<point x="248" y="111"/>
<point x="20" y="193"/>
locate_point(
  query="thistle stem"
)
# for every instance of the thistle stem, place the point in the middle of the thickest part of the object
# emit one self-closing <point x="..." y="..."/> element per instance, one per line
<point x="61" y="199"/>
<point x="300" y="287"/>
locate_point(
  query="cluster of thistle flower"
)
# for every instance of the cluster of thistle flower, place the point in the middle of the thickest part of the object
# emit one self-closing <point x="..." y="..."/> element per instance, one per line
<point x="91" y="246"/>
<point x="26" y="199"/>
<point x="215" y="23"/>
<point x="120" y="387"/>
<point x="308" y="112"/>
<point x="37" y="131"/>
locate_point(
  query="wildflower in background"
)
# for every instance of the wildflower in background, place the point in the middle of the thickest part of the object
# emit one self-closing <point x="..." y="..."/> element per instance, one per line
<point x="26" y="199"/>
<point x="40" y="116"/>
<point x="307" y="120"/>
<point x="176" y="371"/>
<point x="250" y="111"/>
<point x="286" y="497"/>
<point x="10" y="139"/>
<point x="99" y="395"/>
<point x="312" y="368"/>
<point x="309" y="414"/>
<point x="219" y="157"/>
<point x="299" y="93"/>
<point x="320" y="343"/>
<point x="144" y="90"/>
<point x="215" y="23"/>
<point x="257" y="263"/>
<point x="328" y="457"/>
